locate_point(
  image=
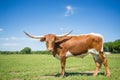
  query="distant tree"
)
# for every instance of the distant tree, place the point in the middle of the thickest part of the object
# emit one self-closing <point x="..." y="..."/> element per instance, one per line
<point x="116" y="46"/>
<point x="108" y="46"/>
<point x="112" y="46"/>
<point x="26" y="50"/>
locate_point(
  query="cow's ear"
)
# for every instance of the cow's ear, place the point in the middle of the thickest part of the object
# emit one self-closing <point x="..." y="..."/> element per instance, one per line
<point x="62" y="39"/>
<point x="42" y="39"/>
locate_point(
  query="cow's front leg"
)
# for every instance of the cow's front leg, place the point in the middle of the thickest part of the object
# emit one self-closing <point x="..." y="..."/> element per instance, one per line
<point x="63" y="62"/>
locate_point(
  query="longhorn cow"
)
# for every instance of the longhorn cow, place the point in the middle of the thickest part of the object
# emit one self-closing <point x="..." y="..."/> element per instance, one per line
<point x="64" y="46"/>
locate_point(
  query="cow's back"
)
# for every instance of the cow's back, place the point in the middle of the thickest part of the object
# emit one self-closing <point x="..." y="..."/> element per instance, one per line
<point x="82" y="43"/>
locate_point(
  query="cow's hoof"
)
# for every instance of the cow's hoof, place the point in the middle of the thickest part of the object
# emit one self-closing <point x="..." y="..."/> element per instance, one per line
<point x="108" y="75"/>
<point x="62" y="76"/>
<point x="95" y="74"/>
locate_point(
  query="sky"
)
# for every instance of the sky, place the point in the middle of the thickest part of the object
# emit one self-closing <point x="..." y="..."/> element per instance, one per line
<point x="40" y="17"/>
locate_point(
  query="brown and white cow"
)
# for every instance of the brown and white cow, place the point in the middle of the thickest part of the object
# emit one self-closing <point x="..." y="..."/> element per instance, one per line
<point x="65" y="46"/>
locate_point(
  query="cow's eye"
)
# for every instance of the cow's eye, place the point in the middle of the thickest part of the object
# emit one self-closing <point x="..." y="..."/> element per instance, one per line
<point x="46" y="41"/>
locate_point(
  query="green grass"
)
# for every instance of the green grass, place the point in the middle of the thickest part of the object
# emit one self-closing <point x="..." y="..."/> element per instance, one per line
<point x="46" y="67"/>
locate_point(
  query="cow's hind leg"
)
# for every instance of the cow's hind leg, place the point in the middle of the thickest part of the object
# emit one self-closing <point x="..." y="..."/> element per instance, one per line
<point x="104" y="61"/>
<point x="97" y="60"/>
<point x="98" y="64"/>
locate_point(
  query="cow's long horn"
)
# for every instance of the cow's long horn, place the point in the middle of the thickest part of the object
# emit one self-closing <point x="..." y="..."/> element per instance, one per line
<point x="65" y="34"/>
<point x="35" y="37"/>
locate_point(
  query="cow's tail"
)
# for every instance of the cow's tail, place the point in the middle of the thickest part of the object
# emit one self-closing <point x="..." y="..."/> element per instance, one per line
<point x="102" y="50"/>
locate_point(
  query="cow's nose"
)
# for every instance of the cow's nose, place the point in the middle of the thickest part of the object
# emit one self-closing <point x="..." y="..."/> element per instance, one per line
<point x="50" y="49"/>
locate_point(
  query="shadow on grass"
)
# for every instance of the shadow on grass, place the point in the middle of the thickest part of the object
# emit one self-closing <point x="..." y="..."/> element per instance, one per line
<point x="88" y="73"/>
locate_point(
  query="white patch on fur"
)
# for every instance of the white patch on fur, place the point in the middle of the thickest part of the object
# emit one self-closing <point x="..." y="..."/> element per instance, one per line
<point x="90" y="51"/>
<point x="69" y="54"/>
<point x="95" y="53"/>
<point x="96" y="34"/>
<point x="57" y="56"/>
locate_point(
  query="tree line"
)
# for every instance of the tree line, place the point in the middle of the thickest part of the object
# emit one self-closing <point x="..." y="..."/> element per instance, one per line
<point x="26" y="50"/>
<point x="113" y="47"/>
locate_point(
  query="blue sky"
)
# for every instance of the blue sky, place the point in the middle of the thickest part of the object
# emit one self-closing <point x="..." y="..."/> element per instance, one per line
<point x="39" y="17"/>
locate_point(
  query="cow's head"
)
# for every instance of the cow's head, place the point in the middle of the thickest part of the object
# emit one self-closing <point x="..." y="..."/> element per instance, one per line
<point x="51" y="39"/>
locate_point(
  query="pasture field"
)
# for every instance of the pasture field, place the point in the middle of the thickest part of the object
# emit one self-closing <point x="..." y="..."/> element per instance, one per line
<point x="46" y="67"/>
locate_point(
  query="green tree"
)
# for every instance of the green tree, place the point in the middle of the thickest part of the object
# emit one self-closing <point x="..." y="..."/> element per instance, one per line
<point x="26" y="50"/>
<point x="116" y="46"/>
<point x="112" y="46"/>
<point x="108" y="46"/>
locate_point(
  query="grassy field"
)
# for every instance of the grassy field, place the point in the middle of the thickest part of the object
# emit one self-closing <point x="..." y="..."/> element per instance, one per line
<point x="45" y="67"/>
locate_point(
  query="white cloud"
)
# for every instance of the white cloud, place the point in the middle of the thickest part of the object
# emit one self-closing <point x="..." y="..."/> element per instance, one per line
<point x="1" y="29"/>
<point x="9" y="38"/>
<point x="69" y="11"/>
<point x="10" y="44"/>
<point x="16" y="39"/>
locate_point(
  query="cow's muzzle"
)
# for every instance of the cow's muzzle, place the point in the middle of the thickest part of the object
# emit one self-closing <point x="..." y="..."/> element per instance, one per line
<point x="50" y="49"/>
